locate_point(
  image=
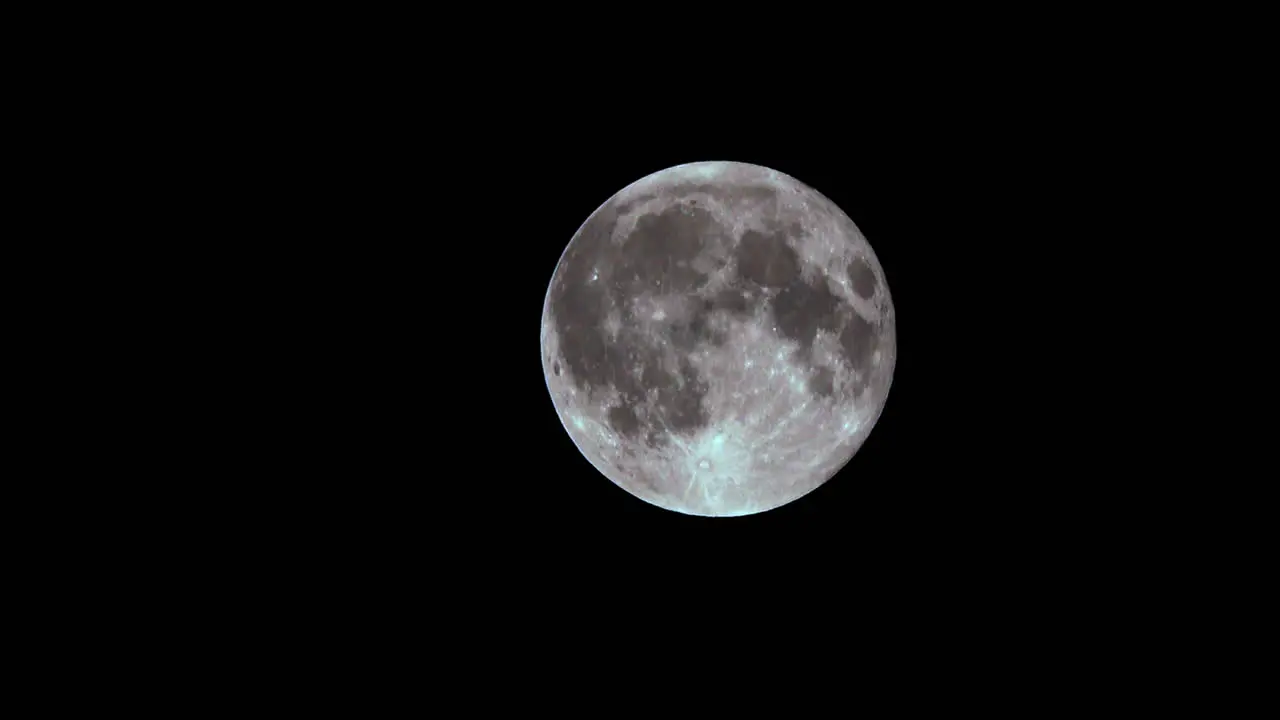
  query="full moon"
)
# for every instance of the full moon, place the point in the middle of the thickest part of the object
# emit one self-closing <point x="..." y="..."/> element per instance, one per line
<point x="718" y="339"/>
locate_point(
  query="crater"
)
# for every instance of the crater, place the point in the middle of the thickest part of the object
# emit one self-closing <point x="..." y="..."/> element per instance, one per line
<point x="862" y="277"/>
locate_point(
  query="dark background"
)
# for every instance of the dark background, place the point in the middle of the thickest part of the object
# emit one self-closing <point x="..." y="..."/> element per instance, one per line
<point x="412" y="225"/>
<point x="377" y="215"/>
<point x="940" y="468"/>
<point x="377" y="457"/>
<point x="419" y="296"/>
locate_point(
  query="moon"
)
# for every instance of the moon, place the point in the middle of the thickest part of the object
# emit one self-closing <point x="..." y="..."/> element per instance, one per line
<point x="718" y="339"/>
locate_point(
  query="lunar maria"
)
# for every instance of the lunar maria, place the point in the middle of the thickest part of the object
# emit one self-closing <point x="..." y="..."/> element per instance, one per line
<point x="718" y="339"/>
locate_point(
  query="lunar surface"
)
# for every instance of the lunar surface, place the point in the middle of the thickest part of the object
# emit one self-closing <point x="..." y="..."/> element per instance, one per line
<point x="718" y="339"/>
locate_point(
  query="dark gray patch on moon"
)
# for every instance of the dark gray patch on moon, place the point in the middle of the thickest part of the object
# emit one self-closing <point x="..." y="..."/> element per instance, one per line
<point x="658" y="254"/>
<point x="681" y="402"/>
<point x="862" y="277"/>
<point x="686" y="335"/>
<point x="858" y="339"/>
<point x="579" y="302"/>
<point x="766" y="259"/>
<point x="733" y="300"/>
<point x="822" y="382"/>
<point x="623" y="420"/>
<point x="599" y="277"/>
<point x="800" y="309"/>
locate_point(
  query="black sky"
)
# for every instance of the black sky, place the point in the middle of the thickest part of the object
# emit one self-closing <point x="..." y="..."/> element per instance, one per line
<point x="432" y="230"/>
